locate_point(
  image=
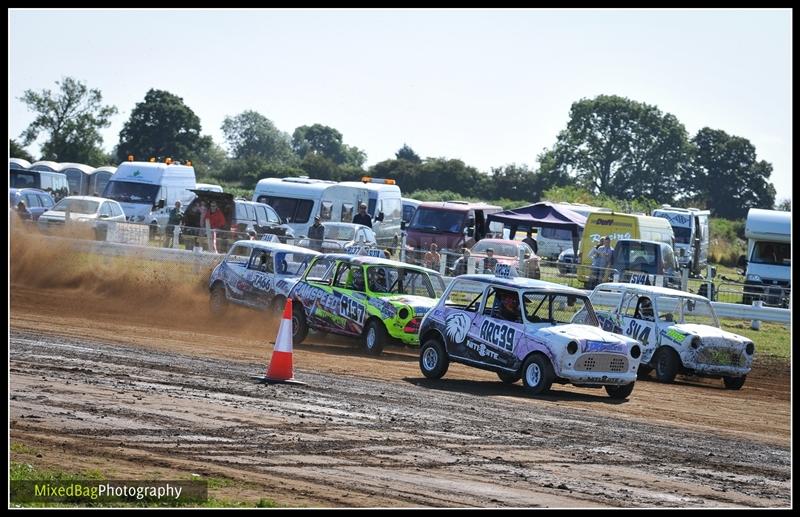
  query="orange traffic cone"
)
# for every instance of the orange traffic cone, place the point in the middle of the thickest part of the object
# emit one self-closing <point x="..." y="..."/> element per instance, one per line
<point x="279" y="370"/>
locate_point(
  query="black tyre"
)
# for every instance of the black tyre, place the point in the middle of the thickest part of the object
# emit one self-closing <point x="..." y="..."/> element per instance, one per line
<point x="734" y="383"/>
<point x="509" y="377"/>
<point x="666" y="364"/>
<point x="374" y="338"/>
<point x="299" y="324"/>
<point x="619" y="392"/>
<point x="644" y="371"/>
<point x="537" y="374"/>
<point x="218" y="301"/>
<point x="433" y="360"/>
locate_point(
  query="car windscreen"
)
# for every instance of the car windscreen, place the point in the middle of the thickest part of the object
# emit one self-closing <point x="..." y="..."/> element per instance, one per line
<point x="692" y="310"/>
<point x="558" y="308"/>
<point x="76" y="206"/>
<point x="433" y="220"/>
<point x="129" y="192"/>
<point x="397" y="280"/>
<point x="291" y="264"/>
<point x="337" y="232"/>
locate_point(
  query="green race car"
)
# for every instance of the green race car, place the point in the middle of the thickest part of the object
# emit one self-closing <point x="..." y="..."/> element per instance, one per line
<point x="376" y="299"/>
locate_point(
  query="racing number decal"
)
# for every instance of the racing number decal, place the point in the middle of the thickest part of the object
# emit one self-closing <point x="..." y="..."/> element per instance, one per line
<point x="351" y="310"/>
<point x="261" y="282"/>
<point x="638" y="332"/>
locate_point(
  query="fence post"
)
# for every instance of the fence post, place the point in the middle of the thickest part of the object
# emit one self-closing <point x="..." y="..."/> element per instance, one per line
<point x="685" y="279"/>
<point x="402" y="246"/>
<point x="176" y="230"/>
<point x="756" y="324"/>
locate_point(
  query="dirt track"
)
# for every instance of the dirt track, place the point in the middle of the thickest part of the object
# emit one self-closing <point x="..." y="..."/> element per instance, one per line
<point x="139" y="389"/>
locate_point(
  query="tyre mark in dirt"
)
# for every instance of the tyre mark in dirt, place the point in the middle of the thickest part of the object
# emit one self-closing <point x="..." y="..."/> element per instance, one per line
<point x="354" y="441"/>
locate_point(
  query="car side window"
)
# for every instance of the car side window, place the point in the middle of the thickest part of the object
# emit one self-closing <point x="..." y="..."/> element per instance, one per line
<point x="344" y="278"/>
<point x="239" y="255"/>
<point x="105" y="209"/>
<point x="46" y="201"/>
<point x="261" y="260"/>
<point x="272" y="215"/>
<point x="32" y="200"/>
<point x="629" y="301"/>
<point x="261" y="215"/>
<point x="465" y="295"/>
<point x="116" y="209"/>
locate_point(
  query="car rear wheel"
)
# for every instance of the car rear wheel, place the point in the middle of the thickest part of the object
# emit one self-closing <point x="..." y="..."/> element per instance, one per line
<point x="537" y="374"/>
<point x="734" y="383"/>
<point x="666" y="364"/>
<point x="374" y="337"/>
<point x="433" y="360"/>
<point x="299" y="324"/>
<point x="509" y="377"/>
<point x="619" y="392"/>
<point x="218" y="302"/>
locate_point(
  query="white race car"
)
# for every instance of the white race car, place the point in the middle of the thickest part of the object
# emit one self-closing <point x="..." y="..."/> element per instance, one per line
<point x="523" y="328"/>
<point x="679" y="332"/>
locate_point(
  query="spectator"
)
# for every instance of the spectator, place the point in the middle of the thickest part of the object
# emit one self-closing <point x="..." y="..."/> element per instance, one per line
<point x="489" y="263"/>
<point x="462" y="263"/>
<point x="432" y="258"/>
<point x="216" y="221"/>
<point x="202" y="209"/>
<point x="530" y="241"/>
<point x="362" y="217"/>
<point x="175" y="219"/>
<point x="601" y="260"/>
<point x="316" y="234"/>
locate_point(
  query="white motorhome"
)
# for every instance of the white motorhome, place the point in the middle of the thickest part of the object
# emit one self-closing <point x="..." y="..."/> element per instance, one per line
<point x="552" y="241"/>
<point x="385" y="206"/>
<point x="298" y="200"/>
<point x="148" y="190"/>
<point x="690" y="226"/>
<point x="769" y="252"/>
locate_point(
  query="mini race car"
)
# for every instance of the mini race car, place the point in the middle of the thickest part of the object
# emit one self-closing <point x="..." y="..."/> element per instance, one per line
<point x="679" y="332"/>
<point x="257" y="274"/>
<point x="376" y="299"/>
<point x="523" y="328"/>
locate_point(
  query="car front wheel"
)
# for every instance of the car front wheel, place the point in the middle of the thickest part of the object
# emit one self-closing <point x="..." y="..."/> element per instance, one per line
<point x="433" y="360"/>
<point x="299" y="325"/>
<point x="374" y="337"/>
<point x="218" y="301"/>
<point x="619" y="392"/>
<point x="734" y="383"/>
<point x="509" y="377"/>
<point x="537" y="374"/>
<point x="666" y="364"/>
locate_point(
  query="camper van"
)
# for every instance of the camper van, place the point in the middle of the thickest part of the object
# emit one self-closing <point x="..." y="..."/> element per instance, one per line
<point x="385" y="206"/>
<point x="690" y="226"/>
<point x="769" y="252"/>
<point x="78" y="178"/>
<point x="451" y="225"/>
<point x="552" y="241"/>
<point x="55" y="183"/>
<point x="298" y="200"/>
<point x="99" y="177"/>
<point x="619" y="226"/>
<point x="148" y="190"/>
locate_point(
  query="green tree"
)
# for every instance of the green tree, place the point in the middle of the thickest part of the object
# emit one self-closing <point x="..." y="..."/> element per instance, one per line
<point x="784" y="205"/>
<point x="210" y="160"/>
<point x="623" y="148"/>
<point x="407" y="153"/>
<point x="162" y="127"/>
<point x="17" y="151"/>
<point x="71" y="119"/>
<point x="726" y="174"/>
<point x="251" y="134"/>
<point x="326" y="142"/>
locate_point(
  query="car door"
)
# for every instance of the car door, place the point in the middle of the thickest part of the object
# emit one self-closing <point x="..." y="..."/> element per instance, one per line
<point x="259" y="277"/>
<point x="460" y="309"/>
<point x="491" y="338"/>
<point x="236" y="263"/>
<point x="641" y="328"/>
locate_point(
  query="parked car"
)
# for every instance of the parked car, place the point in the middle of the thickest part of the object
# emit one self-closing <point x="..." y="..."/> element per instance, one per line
<point x="341" y="236"/>
<point x="258" y="275"/>
<point x="94" y="212"/>
<point x="507" y="252"/>
<point x="36" y="201"/>
<point x="679" y="332"/>
<point x="530" y="329"/>
<point x="379" y="300"/>
<point x="567" y="262"/>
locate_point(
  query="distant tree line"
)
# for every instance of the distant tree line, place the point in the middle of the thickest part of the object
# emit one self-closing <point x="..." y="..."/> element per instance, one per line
<point x="612" y="146"/>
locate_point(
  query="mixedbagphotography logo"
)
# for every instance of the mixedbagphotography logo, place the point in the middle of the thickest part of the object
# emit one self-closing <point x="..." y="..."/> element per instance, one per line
<point x="96" y="491"/>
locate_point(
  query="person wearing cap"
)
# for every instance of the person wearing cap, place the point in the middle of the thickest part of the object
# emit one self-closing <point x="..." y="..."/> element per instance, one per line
<point x="362" y="217"/>
<point x="316" y="234"/>
<point x="489" y="263"/>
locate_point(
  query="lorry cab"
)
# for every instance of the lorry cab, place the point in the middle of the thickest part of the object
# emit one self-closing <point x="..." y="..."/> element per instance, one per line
<point x="147" y="191"/>
<point x="690" y="226"/>
<point x="769" y="251"/>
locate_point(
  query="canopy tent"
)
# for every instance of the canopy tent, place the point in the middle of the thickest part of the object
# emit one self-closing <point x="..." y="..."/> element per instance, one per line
<point x="541" y="215"/>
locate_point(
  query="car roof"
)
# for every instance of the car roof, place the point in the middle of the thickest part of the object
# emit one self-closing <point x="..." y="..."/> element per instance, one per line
<point x="649" y="289"/>
<point x="521" y="282"/>
<point x="15" y="190"/>
<point x="374" y="261"/>
<point x="90" y="198"/>
<point x="275" y="246"/>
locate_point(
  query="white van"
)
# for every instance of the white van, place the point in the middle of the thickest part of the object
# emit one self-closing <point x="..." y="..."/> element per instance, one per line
<point x="769" y="252"/>
<point x="385" y="207"/>
<point x="552" y="241"/>
<point x="211" y="187"/>
<point x="691" y="235"/>
<point x="147" y="191"/>
<point x="298" y="200"/>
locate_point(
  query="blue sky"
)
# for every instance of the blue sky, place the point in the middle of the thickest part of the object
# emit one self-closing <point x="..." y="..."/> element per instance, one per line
<point x="490" y="87"/>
